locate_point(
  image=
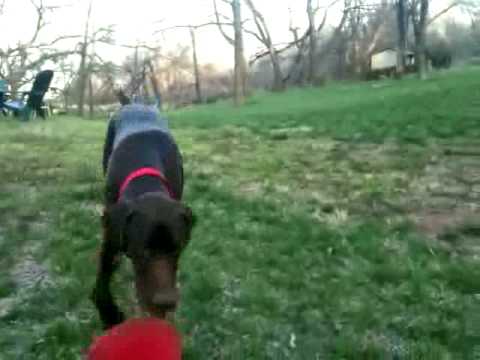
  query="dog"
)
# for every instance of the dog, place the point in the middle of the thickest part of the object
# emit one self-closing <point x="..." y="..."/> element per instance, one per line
<point x="144" y="217"/>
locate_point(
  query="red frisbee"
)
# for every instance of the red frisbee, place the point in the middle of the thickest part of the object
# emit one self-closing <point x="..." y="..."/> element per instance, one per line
<point x="139" y="339"/>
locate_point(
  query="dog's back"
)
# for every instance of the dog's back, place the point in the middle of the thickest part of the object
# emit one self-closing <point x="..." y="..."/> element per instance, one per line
<point x="138" y="137"/>
<point x="137" y="118"/>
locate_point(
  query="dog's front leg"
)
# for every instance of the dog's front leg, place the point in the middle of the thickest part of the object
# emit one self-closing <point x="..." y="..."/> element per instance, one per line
<point x="102" y="297"/>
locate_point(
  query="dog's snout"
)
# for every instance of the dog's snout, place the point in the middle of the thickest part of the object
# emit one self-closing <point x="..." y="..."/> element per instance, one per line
<point x="167" y="307"/>
<point x="166" y="300"/>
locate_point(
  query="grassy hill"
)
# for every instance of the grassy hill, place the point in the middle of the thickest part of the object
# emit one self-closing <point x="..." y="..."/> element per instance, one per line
<point x="334" y="223"/>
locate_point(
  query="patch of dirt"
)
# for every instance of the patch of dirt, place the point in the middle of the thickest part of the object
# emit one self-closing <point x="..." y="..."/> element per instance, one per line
<point x="438" y="223"/>
<point x="28" y="274"/>
<point x="254" y="187"/>
<point x="436" y="188"/>
<point x="448" y="194"/>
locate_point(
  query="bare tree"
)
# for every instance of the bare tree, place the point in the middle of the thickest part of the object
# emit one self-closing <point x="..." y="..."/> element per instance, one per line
<point x="154" y="82"/>
<point x="313" y="32"/>
<point x="88" y="57"/>
<point x="299" y="70"/>
<point x="82" y="72"/>
<point x="91" y="103"/>
<point x="68" y="72"/>
<point x="313" y="39"/>
<point x="263" y="35"/>
<point x="365" y="31"/>
<point x="402" y="32"/>
<point x="103" y="75"/>
<point x="469" y="5"/>
<point x="18" y="63"/>
<point x="297" y="42"/>
<point x="196" y="68"/>
<point x="198" y="86"/>
<point x="338" y="42"/>
<point x="419" y="14"/>
<point x="141" y="70"/>
<point x="419" y="10"/>
<point x="174" y="73"/>
<point x="241" y="71"/>
<point x="240" y="68"/>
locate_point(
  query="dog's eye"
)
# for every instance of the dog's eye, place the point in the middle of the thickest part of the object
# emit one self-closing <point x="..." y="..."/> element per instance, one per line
<point x="161" y="241"/>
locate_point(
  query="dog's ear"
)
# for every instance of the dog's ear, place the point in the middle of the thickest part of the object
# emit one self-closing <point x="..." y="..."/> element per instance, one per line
<point x="189" y="219"/>
<point x="189" y="216"/>
<point x="123" y="99"/>
<point x="115" y="220"/>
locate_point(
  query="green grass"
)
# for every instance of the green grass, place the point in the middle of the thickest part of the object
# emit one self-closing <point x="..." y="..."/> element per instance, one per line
<point x="306" y="245"/>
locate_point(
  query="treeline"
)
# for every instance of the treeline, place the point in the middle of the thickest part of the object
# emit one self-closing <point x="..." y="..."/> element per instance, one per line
<point x="322" y="49"/>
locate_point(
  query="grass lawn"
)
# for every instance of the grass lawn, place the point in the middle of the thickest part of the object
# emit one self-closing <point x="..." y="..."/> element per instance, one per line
<point x="334" y="223"/>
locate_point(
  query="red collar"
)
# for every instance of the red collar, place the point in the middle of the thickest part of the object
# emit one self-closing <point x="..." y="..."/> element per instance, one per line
<point x="146" y="171"/>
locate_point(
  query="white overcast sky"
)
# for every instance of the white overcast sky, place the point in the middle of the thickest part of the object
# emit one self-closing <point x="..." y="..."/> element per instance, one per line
<point x="137" y="20"/>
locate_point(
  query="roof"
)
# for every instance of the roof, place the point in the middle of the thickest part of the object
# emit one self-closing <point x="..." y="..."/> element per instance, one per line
<point x="408" y="52"/>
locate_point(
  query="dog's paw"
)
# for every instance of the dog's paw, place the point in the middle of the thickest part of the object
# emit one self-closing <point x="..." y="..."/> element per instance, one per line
<point x="109" y="312"/>
<point x="111" y="318"/>
<point x="93" y="296"/>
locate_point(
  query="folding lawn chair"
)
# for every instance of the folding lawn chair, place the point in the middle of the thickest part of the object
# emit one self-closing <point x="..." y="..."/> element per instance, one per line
<point x="3" y="96"/>
<point x="34" y="104"/>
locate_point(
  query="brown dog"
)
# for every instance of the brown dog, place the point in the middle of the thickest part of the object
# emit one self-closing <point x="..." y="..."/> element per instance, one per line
<point x="143" y="217"/>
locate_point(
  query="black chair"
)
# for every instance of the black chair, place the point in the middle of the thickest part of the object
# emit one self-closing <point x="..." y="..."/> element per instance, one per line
<point x="34" y="103"/>
<point x="3" y="96"/>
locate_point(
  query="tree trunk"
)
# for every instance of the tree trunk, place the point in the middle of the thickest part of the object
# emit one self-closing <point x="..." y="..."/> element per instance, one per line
<point x="266" y="39"/>
<point x="154" y="83"/>
<point x="402" y="36"/>
<point x="278" y="83"/>
<point x="90" y="97"/>
<point x="66" y="102"/>
<point x="313" y="43"/>
<point x="244" y="77"/>
<point x="421" y="55"/>
<point x="146" y="92"/>
<point x="196" y="70"/>
<point x="295" y="73"/>
<point x="82" y="80"/>
<point x="354" y="56"/>
<point x="239" y="81"/>
<point x="135" y="76"/>
<point x="82" y="73"/>
<point x="419" y="12"/>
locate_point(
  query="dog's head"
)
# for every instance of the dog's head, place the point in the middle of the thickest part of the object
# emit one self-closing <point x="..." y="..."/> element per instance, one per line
<point x="123" y="99"/>
<point x="153" y="231"/>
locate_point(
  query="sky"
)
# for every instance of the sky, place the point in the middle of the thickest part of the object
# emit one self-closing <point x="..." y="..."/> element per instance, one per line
<point x="137" y="20"/>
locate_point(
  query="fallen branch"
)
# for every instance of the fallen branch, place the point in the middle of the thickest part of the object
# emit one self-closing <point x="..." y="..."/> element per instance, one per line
<point x="453" y="152"/>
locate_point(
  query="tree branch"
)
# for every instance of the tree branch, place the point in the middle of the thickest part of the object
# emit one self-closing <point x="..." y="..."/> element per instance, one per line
<point x="444" y="11"/>
<point x="53" y="42"/>
<point x="264" y="53"/>
<point x="217" y="17"/>
<point x="254" y="34"/>
<point x="261" y="25"/>
<point x="299" y="40"/>
<point x="40" y="20"/>
<point x="51" y="56"/>
<point x="140" y="46"/>
<point x="195" y="27"/>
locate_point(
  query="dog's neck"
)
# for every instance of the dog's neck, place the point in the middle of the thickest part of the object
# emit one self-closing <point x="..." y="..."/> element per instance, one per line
<point x="142" y="185"/>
